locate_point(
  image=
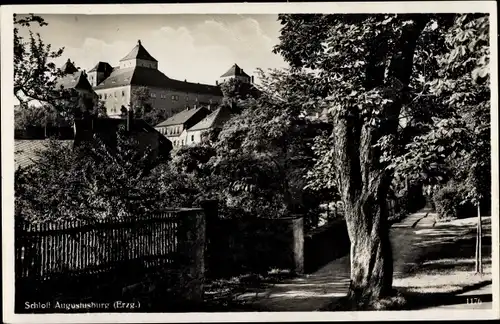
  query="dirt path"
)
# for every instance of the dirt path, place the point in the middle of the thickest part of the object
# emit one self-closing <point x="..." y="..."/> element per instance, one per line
<point x="420" y="248"/>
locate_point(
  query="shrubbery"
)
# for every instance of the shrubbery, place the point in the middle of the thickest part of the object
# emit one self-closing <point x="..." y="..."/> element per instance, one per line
<point x="447" y="200"/>
<point x="95" y="181"/>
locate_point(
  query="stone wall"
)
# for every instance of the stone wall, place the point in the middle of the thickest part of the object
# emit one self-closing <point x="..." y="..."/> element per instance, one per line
<point x="257" y="245"/>
<point x="325" y="244"/>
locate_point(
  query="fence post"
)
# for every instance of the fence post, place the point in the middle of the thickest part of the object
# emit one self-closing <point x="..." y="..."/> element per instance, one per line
<point x="192" y="249"/>
<point x="210" y="208"/>
<point x="298" y="244"/>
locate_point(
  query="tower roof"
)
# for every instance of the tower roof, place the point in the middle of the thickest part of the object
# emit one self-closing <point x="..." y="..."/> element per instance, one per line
<point x="235" y="70"/>
<point x="102" y="67"/>
<point x="139" y="52"/>
<point x="141" y="76"/>
<point x="69" y="67"/>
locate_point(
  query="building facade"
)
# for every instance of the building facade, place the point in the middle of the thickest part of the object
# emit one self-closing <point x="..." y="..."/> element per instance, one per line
<point x="116" y="86"/>
<point x="176" y="127"/>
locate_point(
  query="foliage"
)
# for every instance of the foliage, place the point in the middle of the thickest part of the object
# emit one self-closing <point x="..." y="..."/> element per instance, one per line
<point x="34" y="73"/>
<point x="263" y="152"/>
<point x="189" y="159"/>
<point x="36" y="76"/>
<point x="455" y="144"/>
<point x="35" y="116"/>
<point x="99" y="181"/>
<point x="447" y="200"/>
<point x="235" y="91"/>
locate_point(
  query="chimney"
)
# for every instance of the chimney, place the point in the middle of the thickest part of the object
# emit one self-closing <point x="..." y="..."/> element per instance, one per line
<point x="252" y="78"/>
<point x="216" y="82"/>
<point x="139" y="42"/>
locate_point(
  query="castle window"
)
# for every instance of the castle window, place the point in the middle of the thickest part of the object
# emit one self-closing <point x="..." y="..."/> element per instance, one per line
<point x="105" y="96"/>
<point x="153" y="95"/>
<point x="192" y="138"/>
<point x="123" y="93"/>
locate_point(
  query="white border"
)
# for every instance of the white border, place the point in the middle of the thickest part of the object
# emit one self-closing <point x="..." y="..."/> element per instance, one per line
<point x="227" y="8"/>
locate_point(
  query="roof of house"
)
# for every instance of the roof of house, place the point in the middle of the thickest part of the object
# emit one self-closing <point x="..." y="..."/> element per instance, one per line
<point x="26" y="151"/>
<point x="142" y="76"/>
<point x="69" y="67"/>
<point x="181" y="117"/>
<point x="215" y="119"/>
<point x="235" y="70"/>
<point x="139" y="52"/>
<point x="102" y="67"/>
<point x="77" y="80"/>
<point x="104" y="127"/>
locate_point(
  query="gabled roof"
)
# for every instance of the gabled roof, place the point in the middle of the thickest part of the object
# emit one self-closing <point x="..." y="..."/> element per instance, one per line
<point x="77" y="80"/>
<point x="139" y="52"/>
<point x="102" y="67"/>
<point x="181" y="117"/>
<point x="235" y="70"/>
<point x="69" y="67"/>
<point x="215" y="119"/>
<point x="142" y="76"/>
<point x="105" y="128"/>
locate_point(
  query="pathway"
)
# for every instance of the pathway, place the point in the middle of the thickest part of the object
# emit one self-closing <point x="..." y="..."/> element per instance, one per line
<point x="421" y="246"/>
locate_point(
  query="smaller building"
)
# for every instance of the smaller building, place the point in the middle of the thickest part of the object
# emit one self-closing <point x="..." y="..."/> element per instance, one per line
<point x="175" y="128"/>
<point x="215" y="120"/>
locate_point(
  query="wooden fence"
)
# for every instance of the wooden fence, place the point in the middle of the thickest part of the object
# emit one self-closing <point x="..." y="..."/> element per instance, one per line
<point x="101" y="253"/>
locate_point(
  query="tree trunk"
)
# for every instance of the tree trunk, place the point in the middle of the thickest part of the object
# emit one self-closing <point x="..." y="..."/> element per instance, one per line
<point x="371" y="253"/>
<point x="364" y="181"/>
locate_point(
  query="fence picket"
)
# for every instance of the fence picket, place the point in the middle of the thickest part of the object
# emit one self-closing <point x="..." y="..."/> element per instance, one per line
<point x="72" y="247"/>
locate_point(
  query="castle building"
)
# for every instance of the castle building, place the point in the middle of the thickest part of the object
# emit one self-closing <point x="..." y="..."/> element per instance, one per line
<point x="189" y="127"/>
<point x="115" y="85"/>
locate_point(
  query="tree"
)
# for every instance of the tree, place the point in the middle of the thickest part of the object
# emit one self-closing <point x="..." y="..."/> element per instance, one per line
<point x="33" y="116"/>
<point x="364" y="63"/>
<point x="34" y="72"/>
<point x="263" y="151"/>
<point x="143" y="108"/>
<point x="36" y="76"/>
<point x="454" y="150"/>
<point x="235" y="91"/>
<point x="93" y="181"/>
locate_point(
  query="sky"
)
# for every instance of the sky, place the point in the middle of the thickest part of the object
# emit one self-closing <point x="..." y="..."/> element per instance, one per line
<point x="196" y="47"/>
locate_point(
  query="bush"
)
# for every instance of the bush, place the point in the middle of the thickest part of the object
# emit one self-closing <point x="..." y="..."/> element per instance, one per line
<point x="96" y="181"/>
<point x="447" y="201"/>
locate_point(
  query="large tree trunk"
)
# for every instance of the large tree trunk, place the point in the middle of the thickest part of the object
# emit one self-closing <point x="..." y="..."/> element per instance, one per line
<point x="362" y="178"/>
<point x="371" y="254"/>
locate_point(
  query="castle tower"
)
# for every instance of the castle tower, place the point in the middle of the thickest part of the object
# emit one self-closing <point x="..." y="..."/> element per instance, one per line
<point x="69" y="68"/>
<point x="138" y="57"/>
<point x="99" y="73"/>
<point x="235" y="72"/>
